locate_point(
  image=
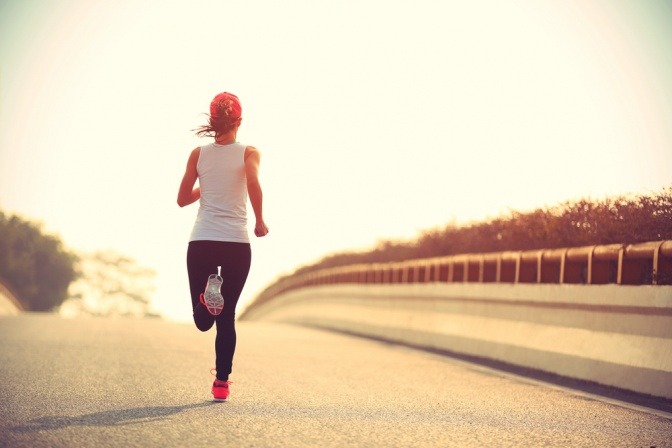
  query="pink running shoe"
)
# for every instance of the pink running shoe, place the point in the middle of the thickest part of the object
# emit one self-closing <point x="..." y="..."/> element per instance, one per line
<point x="220" y="390"/>
<point x="212" y="297"/>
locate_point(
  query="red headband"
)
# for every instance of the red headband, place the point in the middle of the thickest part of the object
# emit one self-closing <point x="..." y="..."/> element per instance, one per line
<point x="225" y="105"/>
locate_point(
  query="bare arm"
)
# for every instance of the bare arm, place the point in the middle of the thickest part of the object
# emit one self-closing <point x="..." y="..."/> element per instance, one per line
<point x="188" y="194"/>
<point x="252" y="159"/>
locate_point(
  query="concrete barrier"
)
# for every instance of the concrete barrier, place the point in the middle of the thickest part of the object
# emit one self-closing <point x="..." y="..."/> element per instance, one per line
<point x="9" y="304"/>
<point x="615" y="335"/>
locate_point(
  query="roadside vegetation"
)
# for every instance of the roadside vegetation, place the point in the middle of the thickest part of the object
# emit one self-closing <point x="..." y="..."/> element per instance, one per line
<point x="624" y="219"/>
<point x="45" y="276"/>
<point x="34" y="265"/>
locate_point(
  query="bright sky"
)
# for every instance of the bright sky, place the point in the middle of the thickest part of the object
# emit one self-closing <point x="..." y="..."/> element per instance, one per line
<point x="376" y="119"/>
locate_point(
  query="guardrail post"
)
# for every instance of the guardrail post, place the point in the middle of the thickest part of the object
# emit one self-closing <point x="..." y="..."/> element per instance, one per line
<point x="656" y="258"/>
<point x="589" y="276"/>
<point x="516" y="277"/>
<point x="619" y="273"/>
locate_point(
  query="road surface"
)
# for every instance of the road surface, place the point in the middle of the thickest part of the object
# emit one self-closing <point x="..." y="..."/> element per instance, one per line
<point x="145" y="383"/>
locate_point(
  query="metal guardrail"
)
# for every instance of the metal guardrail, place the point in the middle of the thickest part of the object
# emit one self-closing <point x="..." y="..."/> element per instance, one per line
<point x="633" y="264"/>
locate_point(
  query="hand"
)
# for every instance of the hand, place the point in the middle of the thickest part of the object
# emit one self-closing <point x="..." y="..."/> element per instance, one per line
<point x="260" y="229"/>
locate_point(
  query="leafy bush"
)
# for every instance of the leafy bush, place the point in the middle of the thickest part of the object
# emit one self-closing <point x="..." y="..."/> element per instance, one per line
<point x="34" y="265"/>
<point x="625" y="219"/>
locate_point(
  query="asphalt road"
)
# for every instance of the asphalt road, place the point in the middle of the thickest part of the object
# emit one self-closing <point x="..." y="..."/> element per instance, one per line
<point x="146" y="383"/>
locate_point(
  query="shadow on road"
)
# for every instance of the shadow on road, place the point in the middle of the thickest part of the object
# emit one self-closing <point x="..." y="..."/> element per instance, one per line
<point x="119" y="417"/>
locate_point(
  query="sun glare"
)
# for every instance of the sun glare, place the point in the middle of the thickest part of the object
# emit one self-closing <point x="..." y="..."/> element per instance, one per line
<point x="374" y="119"/>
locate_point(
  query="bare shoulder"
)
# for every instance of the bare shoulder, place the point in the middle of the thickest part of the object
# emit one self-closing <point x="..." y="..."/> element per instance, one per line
<point x="193" y="156"/>
<point x="251" y="150"/>
<point x="195" y="152"/>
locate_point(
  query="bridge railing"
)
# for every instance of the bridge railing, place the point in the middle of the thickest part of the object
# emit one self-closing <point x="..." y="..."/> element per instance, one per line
<point x="647" y="263"/>
<point x="532" y="309"/>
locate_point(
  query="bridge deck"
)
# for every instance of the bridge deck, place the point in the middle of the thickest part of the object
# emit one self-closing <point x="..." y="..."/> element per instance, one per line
<point x="96" y="382"/>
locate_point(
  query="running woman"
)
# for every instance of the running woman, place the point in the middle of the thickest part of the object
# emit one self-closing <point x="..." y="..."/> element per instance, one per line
<point x="219" y="255"/>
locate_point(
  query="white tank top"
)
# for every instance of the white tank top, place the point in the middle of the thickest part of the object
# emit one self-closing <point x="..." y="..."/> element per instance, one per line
<point x="222" y="213"/>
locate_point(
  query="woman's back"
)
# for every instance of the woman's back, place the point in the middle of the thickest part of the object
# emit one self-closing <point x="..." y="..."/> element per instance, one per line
<point x="222" y="214"/>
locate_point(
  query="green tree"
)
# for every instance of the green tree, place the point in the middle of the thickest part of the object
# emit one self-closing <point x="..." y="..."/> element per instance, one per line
<point x="33" y="264"/>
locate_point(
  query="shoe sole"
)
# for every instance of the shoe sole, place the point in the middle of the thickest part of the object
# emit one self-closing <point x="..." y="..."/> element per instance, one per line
<point x="212" y="297"/>
<point x="214" y="302"/>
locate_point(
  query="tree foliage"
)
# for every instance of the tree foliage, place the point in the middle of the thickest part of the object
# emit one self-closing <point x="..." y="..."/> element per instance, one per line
<point x="624" y="219"/>
<point x="33" y="264"/>
<point x="110" y="284"/>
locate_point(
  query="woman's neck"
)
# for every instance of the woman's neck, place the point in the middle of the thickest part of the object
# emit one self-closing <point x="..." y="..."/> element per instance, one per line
<point x="225" y="139"/>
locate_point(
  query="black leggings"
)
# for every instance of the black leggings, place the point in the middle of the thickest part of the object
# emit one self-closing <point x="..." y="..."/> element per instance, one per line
<point x="203" y="258"/>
